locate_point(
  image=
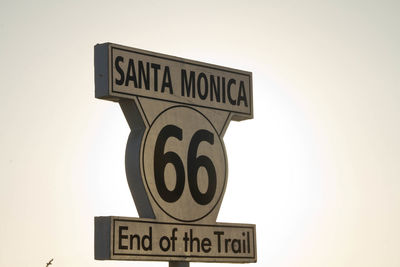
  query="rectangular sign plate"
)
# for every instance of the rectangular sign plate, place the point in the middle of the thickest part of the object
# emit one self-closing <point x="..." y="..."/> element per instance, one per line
<point x="125" y="72"/>
<point x="120" y="238"/>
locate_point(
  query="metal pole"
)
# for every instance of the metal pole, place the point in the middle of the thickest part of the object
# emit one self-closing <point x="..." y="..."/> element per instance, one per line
<point x="179" y="264"/>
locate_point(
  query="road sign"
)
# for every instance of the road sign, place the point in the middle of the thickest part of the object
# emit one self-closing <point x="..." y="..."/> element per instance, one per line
<point x="178" y="111"/>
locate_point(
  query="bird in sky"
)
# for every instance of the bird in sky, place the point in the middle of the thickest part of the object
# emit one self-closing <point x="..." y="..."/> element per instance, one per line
<point x="49" y="263"/>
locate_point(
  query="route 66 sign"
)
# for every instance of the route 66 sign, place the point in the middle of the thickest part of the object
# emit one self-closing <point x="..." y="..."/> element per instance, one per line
<point x="178" y="111"/>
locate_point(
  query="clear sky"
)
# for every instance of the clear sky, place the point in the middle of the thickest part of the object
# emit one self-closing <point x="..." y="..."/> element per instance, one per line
<point x="317" y="170"/>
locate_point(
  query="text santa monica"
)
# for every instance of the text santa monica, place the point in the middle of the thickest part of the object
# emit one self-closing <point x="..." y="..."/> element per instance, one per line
<point x="163" y="79"/>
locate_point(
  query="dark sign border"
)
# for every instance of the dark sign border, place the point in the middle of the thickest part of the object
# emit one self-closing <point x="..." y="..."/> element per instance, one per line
<point x="115" y="93"/>
<point x="253" y="257"/>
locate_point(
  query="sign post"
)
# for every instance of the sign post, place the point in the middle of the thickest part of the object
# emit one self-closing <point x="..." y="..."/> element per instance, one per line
<point x="178" y="111"/>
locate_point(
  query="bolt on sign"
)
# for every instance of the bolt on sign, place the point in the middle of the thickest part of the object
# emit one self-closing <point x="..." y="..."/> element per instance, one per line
<point x="178" y="111"/>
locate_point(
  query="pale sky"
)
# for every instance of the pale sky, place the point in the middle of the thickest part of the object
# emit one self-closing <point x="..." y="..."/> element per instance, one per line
<point x="317" y="169"/>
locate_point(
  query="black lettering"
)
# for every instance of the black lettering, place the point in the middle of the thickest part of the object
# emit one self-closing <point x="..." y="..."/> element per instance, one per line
<point x="204" y="77"/>
<point x="218" y="234"/>
<point x="149" y="238"/>
<point x="189" y="85"/>
<point x="227" y="241"/>
<point x="118" y="60"/>
<point x="173" y="238"/>
<point x="192" y="240"/>
<point x="121" y="236"/>
<point x="223" y="90"/>
<point x="166" y="81"/>
<point x="131" y="74"/>
<point x="248" y="242"/>
<point x="186" y="239"/>
<point x="244" y="242"/>
<point x="132" y="237"/>
<point x="144" y="75"/>
<point x="215" y="88"/>
<point x="242" y="94"/>
<point x="231" y="100"/>
<point x="164" y="248"/>
<point x="206" y="245"/>
<point x="155" y="67"/>
<point x="236" y="247"/>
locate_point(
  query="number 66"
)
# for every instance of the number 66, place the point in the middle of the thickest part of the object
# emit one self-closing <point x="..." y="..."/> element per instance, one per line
<point x="194" y="162"/>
